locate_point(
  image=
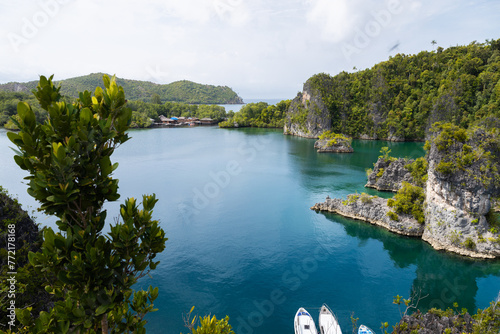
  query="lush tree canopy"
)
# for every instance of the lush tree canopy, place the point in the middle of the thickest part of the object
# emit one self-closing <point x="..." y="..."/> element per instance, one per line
<point x="259" y="115"/>
<point x="406" y="94"/>
<point x="179" y="91"/>
<point x="68" y="159"/>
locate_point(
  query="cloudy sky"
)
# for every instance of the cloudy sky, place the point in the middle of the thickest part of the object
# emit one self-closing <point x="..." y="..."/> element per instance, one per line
<point x="261" y="49"/>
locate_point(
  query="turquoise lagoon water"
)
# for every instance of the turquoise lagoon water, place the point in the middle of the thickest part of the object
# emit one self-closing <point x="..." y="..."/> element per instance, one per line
<point x="244" y="243"/>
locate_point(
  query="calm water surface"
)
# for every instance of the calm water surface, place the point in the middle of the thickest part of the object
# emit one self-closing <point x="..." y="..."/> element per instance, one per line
<point x="243" y="241"/>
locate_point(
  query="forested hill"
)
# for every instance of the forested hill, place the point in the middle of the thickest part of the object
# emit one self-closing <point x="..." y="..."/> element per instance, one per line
<point x="399" y="99"/>
<point x="179" y="91"/>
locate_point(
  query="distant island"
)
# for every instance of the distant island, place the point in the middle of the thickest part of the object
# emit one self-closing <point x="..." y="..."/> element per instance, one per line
<point x="178" y="91"/>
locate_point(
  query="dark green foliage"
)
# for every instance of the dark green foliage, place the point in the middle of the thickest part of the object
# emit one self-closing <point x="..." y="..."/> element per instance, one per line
<point x="410" y="200"/>
<point x="385" y="151"/>
<point x="8" y="107"/>
<point x="469" y="243"/>
<point x="394" y="216"/>
<point x="487" y="321"/>
<point x="403" y="95"/>
<point x="259" y="115"/>
<point x="68" y="159"/>
<point x="179" y="91"/>
<point x="418" y="169"/>
<point x="475" y="152"/>
<point x="30" y="290"/>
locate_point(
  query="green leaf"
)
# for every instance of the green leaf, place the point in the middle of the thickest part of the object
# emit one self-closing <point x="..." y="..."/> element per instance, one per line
<point x="13" y="137"/>
<point x="27" y="115"/>
<point x="20" y="162"/>
<point x="85" y="116"/>
<point x="105" y="79"/>
<point x="63" y="277"/>
<point x="101" y="309"/>
<point x="63" y="326"/>
<point x="105" y="164"/>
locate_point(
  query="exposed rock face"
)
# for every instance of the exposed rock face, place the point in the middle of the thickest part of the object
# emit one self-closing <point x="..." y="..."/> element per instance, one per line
<point x="331" y="146"/>
<point x="388" y="175"/>
<point x="457" y="204"/>
<point x="27" y="238"/>
<point x="307" y="115"/>
<point x="462" y="190"/>
<point x="373" y="210"/>
<point x="27" y="232"/>
<point x="430" y="323"/>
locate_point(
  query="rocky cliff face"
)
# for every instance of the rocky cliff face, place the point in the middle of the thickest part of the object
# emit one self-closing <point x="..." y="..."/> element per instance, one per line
<point x="460" y="186"/>
<point x="307" y="116"/>
<point x="373" y="210"/>
<point x="331" y="146"/>
<point x="388" y="175"/>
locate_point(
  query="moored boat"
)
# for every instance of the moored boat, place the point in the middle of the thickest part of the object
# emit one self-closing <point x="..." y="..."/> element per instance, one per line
<point x="327" y="322"/>
<point x="365" y="330"/>
<point x="304" y="323"/>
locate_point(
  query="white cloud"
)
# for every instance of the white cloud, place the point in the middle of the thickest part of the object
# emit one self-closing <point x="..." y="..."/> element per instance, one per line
<point x="259" y="48"/>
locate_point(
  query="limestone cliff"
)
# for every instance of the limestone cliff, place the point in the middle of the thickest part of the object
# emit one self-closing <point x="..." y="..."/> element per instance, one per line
<point x="331" y="146"/>
<point x="388" y="175"/>
<point x="373" y="210"/>
<point x="461" y="183"/>
<point x="307" y="115"/>
<point x="462" y="180"/>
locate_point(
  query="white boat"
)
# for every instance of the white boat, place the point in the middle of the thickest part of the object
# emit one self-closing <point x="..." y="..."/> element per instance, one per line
<point x="365" y="330"/>
<point x="304" y="323"/>
<point x="327" y="322"/>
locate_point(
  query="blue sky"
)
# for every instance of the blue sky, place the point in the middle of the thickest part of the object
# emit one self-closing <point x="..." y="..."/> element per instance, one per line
<point x="261" y="49"/>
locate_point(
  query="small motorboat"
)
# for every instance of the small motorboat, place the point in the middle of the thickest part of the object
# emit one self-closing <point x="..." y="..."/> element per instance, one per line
<point x="304" y="323"/>
<point x="365" y="330"/>
<point x="327" y="322"/>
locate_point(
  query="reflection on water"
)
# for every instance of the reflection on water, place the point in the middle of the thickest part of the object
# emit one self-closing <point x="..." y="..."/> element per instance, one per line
<point x="243" y="241"/>
<point x="443" y="277"/>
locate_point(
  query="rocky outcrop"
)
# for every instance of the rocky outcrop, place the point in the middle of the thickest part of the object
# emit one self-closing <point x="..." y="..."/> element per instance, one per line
<point x="307" y="115"/>
<point x="459" y="190"/>
<point x="27" y="238"/>
<point x="388" y="175"/>
<point x="26" y="234"/>
<point x="461" y="183"/>
<point x="432" y="323"/>
<point x="371" y="209"/>
<point x="333" y="146"/>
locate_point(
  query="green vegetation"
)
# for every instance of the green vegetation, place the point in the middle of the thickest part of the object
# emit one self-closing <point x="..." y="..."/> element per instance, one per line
<point x="351" y="199"/>
<point x="207" y="324"/>
<point x="179" y="91"/>
<point x="418" y="170"/>
<point x="401" y="96"/>
<point x="453" y="320"/>
<point x="385" y="154"/>
<point x="366" y="199"/>
<point x="68" y="158"/>
<point x="30" y="290"/>
<point x="143" y="112"/>
<point x="469" y="243"/>
<point x="259" y="115"/>
<point x="335" y="139"/>
<point x="410" y="200"/>
<point x="475" y="151"/>
<point x="8" y="108"/>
